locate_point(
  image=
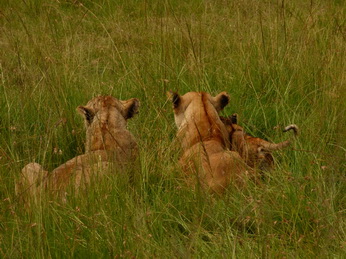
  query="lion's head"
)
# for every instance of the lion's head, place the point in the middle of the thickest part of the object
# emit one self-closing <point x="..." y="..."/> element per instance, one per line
<point x="196" y="116"/>
<point x="105" y="117"/>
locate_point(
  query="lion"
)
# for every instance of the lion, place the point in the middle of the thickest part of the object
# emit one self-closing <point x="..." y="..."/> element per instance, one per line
<point x="205" y="142"/>
<point x="256" y="152"/>
<point x="108" y="145"/>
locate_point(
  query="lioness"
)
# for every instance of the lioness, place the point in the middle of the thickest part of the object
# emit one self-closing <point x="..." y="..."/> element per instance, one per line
<point x="205" y="143"/>
<point x="255" y="151"/>
<point x="108" y="143"/>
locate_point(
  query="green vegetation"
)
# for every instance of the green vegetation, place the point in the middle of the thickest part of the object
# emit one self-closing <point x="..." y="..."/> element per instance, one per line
<point x="281" y="61"/>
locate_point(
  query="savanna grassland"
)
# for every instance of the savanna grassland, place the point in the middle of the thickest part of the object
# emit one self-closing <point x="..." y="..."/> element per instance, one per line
<point x="282" y="62"/>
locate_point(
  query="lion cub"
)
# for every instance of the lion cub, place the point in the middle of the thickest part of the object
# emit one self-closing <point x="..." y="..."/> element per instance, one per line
<point x="206" y="158"/>
<point x="108" y="145"/>
<point x="255" y="151"/>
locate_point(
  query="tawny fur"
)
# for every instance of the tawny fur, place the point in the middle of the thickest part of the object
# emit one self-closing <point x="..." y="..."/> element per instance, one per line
<point x="256" y="152"/>
<point x="108" y="145"/>
<point x="205" y="144"/>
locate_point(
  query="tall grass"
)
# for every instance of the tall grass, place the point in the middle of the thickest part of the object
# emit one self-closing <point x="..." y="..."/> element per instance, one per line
<point x="282" y="62"/>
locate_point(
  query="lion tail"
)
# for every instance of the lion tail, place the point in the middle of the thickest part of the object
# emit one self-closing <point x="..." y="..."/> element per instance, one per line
<point x="293" y="127"/>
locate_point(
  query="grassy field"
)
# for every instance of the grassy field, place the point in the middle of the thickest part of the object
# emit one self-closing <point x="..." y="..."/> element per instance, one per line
<point x="282" y="62"/>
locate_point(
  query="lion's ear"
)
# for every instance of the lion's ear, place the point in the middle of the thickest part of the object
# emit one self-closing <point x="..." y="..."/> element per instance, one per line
<point x="221" y="100"/>
<point x="234" y="118"/>
<point x="87" y="113"/>
<point x="131" y="108"/>
<point x="175" y="98"/>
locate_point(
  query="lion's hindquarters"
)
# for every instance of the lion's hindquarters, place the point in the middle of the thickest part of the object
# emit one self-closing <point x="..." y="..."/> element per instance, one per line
<point x="32" y="180"/>
<point x="214" y="167"/>
<point x="80" y="170"/>
<point x="227" y="168"/>
<point x="74" y="175"/>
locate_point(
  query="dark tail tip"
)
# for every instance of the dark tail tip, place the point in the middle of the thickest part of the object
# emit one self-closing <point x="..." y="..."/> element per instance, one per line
<point x="292" y="127"/>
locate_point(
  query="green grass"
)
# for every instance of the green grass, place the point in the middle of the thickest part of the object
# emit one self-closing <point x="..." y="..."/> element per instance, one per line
<point x="282" y="62"/>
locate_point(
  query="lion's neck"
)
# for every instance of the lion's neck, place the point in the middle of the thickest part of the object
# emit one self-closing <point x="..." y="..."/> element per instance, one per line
<point x="201" y="129"/>
<point x="103" y="138"/>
